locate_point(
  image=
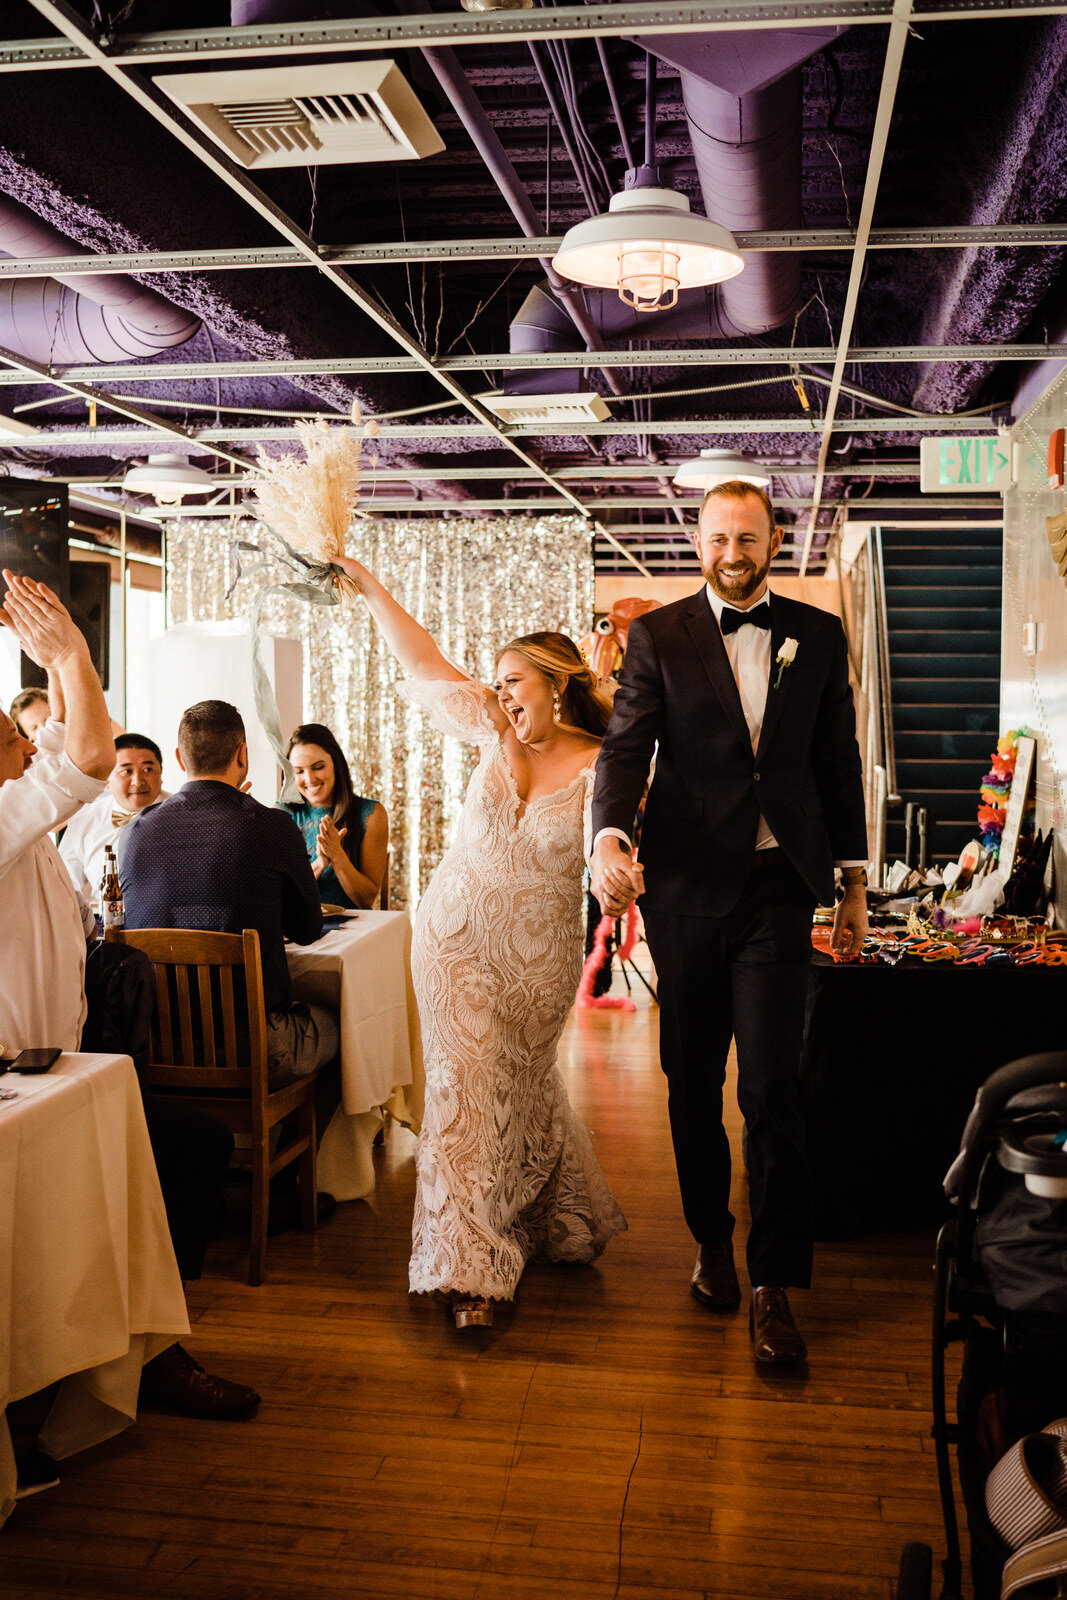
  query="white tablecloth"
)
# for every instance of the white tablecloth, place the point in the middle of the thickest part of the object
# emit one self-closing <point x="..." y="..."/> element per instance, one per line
<point x="364" y="969"/>
<point x="89" y="1287"/>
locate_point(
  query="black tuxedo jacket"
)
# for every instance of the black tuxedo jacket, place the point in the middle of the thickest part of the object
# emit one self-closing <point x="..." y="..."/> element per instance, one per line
<point x="677" y="697"/>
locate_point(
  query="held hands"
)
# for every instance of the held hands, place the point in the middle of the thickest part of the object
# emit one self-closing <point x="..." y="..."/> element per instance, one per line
<point x="616" y="879"/>
<point x="850" y="921"/>
<point x="41" y="622"/>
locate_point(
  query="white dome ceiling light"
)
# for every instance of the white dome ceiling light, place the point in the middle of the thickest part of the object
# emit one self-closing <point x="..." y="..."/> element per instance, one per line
<point x="712" y="467"/>
<point x="648" y="245"/>
<point x="168" y="479"/>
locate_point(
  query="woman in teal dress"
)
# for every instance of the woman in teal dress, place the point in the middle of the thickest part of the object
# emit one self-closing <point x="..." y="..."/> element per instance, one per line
<point x="347" y="837"/>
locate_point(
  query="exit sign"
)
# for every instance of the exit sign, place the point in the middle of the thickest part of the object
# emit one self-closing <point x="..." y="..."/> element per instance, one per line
<point x="962" y="465"/>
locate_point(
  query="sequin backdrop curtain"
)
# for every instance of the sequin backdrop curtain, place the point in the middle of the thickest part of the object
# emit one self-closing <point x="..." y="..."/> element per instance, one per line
<point x="473" y="582"/>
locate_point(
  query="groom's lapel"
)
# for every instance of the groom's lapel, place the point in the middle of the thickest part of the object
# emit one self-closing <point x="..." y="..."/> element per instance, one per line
<point x="776" y="698"/>
<point x="705" y="634"/>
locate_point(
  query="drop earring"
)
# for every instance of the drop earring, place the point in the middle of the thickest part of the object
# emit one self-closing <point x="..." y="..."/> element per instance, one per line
<point x="557" y="705"/>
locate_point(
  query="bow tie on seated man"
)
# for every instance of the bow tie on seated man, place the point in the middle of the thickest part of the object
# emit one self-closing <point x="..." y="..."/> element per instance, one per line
<point x="135" y="785"/>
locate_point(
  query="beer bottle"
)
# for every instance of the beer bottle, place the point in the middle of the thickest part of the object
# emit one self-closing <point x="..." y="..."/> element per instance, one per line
<point x="111" y="893"/>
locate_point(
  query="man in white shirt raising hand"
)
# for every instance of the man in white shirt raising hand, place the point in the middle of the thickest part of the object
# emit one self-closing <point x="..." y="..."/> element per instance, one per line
<point x="42" y="941"/>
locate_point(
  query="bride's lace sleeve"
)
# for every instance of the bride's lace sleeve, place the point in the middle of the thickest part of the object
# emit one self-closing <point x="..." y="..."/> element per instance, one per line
<point x="456" y="707"/>
<point x="587" y="814"/>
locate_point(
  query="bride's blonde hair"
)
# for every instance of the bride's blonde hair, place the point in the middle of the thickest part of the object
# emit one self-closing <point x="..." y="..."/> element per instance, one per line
<point x="583" y="704"/>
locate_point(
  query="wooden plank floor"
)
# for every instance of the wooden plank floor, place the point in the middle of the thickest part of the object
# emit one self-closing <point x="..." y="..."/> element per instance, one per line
<point x="607" y="1440"/>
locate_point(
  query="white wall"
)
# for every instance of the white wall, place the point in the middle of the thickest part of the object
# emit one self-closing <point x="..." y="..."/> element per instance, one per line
<point x="9" y="668"/>
<point x="212" y="661"/>
<point x="1033" y="688"/>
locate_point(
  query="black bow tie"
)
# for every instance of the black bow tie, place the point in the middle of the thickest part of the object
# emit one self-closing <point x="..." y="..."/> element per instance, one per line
<point x="731" y="620"/>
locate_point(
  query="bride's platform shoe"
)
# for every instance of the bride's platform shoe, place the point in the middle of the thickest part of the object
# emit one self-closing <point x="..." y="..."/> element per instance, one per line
<point x="472" y="1311"/>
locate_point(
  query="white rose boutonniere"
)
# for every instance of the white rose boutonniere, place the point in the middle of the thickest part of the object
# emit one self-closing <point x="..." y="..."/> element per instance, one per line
<point x="785" y="658"/>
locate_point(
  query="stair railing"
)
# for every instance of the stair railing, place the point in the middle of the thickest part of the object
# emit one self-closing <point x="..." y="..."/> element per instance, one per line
<point x="881" y="621"/>
<point x="872" y="670"/>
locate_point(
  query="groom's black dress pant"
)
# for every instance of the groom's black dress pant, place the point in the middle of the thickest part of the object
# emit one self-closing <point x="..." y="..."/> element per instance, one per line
<point x="743" y="976"/>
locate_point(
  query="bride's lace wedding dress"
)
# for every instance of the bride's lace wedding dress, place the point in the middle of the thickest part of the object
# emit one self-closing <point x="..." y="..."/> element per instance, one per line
<point x="505" y="1170"/>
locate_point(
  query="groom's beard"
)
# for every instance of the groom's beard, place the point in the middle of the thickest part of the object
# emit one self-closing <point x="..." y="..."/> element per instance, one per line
<point x="740" y="589"/>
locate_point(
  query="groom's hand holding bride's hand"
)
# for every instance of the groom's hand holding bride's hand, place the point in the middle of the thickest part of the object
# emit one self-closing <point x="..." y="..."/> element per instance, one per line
<point x="615" y="878"/>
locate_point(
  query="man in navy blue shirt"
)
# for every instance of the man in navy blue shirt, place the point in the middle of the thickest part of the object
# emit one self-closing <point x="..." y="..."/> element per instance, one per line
<point x="213" y="858"/>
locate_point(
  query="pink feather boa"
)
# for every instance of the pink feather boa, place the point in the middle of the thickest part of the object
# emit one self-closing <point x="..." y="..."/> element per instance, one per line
<point x="596" y="958"/>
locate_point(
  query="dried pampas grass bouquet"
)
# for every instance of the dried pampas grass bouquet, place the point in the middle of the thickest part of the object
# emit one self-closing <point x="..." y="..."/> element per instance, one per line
<point x="310" y="502"/>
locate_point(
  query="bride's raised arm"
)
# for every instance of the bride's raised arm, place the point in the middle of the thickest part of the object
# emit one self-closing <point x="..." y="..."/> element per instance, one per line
<point x="415" y="649"/>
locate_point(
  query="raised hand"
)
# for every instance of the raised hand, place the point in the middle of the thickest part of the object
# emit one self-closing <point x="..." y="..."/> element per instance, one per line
<point x="412" y="646"/>
<point x="42" y="623"/>
<point x="354" y="570"/>
<point x="44" y="628"/>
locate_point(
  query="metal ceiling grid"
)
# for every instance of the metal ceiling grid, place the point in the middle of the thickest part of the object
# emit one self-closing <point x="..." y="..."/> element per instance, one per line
<point x="894" y="57"/>
<point x="564" y="360"/>
<point x="73" y="27"/>
<point x="497" y="27"/>
<point x="682" y="427"/>
<point x="1041" y="235"/>
<point x="118" y="57"/>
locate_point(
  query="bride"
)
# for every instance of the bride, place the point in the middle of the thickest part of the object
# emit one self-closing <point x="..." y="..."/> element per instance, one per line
<point x="505" y="1170"/>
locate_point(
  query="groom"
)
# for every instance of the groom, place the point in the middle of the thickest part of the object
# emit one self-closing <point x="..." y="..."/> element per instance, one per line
<point x="744" y="699"/>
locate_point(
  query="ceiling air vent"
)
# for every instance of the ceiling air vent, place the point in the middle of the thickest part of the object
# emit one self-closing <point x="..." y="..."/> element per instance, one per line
<point x="533" y="408"/>
<point x="357" y="111"/>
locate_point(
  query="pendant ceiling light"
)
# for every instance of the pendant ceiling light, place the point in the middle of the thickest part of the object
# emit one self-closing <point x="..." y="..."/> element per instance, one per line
<point x="648" y="245"/>
<point x="168" y="479"/>
<point x="712" y="467"/>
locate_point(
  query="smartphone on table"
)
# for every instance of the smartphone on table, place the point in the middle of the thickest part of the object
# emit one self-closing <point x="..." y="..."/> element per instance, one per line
<point x="32" y="1061"/>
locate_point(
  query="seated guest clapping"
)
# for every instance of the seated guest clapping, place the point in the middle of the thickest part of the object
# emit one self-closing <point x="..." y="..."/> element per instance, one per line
<point x="347" y="837"/>
<point x="134" y="784"/>
<point x="211" y="857"/>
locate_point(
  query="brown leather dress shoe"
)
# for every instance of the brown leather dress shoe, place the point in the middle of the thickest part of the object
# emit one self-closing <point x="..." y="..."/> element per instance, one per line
<point x="775" y="1338"/>
<point x="714" y="1281"/>
<point x="175" y="1377"/>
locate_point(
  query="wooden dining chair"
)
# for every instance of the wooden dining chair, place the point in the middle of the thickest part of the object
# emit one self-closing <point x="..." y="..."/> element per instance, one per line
<point x="209" y="1046"/>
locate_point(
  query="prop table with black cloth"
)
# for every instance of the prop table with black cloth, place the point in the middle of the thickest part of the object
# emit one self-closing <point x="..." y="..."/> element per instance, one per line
<point x="893" y="1058"/>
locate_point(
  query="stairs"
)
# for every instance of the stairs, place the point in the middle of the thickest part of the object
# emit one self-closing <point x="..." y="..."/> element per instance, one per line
<point x="943" y="610"/>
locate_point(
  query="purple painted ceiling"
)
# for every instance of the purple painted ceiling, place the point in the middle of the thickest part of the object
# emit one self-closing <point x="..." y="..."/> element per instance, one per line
<point x="979" y="136"/>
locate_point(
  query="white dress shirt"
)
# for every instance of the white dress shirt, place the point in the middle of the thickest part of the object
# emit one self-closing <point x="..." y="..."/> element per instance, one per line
<point x="87" y="838"/>
<point x="42" y="942"/>
<point x="748" y="651"/>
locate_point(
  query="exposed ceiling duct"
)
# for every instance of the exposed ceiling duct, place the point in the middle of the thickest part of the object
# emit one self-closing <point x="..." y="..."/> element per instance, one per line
<point x="742" y="97"/>
<point x="84" y="318"/>
<point x="743" y="106"/>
